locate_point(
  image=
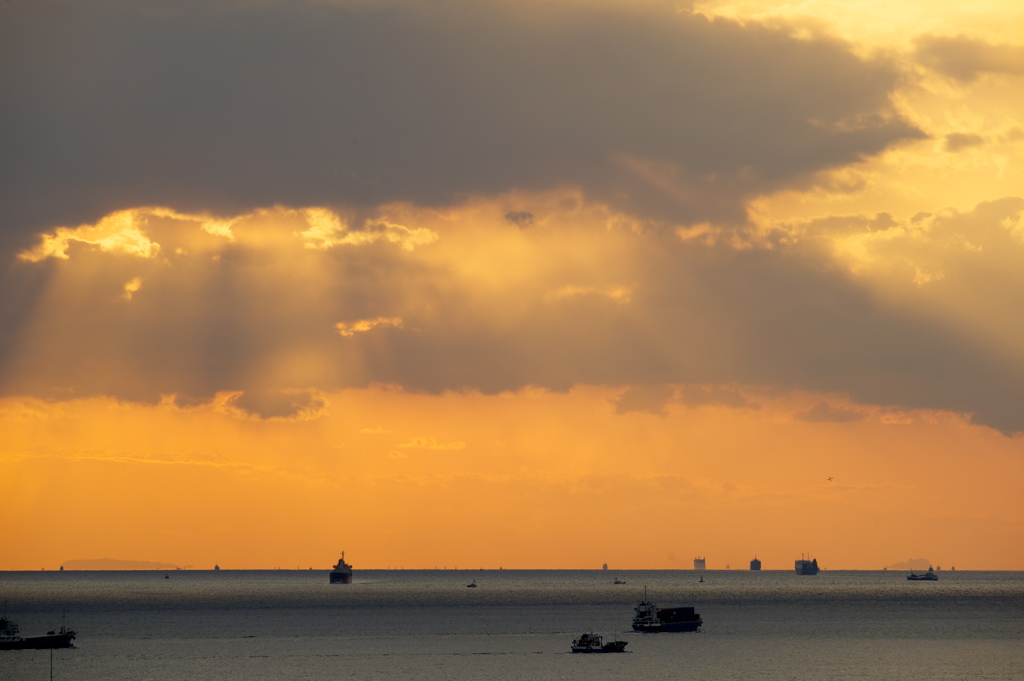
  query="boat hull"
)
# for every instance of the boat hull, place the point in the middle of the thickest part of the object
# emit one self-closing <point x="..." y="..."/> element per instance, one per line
<point x="668" y="627"/>
<point x="341" y="578"/>
<point x="38" y="642"/>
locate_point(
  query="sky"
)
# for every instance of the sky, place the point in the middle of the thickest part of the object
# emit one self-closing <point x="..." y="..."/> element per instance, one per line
<point x="512" y="284"/>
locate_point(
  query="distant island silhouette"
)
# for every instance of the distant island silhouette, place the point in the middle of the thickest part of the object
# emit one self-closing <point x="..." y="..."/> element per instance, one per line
<point x="911" y="564"/>
<point x="115" y="564"/>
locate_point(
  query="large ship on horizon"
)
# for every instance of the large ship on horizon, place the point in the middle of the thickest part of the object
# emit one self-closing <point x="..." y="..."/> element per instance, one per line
<point x="342" y="572"/>
<point x="806" y="567"/>
<point x="755" y="564"/>
<point x="698" y="563"/>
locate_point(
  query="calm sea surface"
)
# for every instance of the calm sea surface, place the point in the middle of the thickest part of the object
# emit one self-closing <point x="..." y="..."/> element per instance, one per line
<point x="411" y="624"/>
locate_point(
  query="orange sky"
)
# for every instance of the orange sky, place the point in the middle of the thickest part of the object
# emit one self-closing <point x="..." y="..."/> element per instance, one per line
<point x="710" y="278"/>
<point x="532" y="479"/>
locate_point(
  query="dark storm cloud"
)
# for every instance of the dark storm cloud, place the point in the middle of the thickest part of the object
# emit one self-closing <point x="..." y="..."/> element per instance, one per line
<point x="958" y="141"/>
<point x="273" y="404"/>
<point x="714" y="395"/>
<point x="645" y="399"/>
<point x="823" y="412"/>
<point x="655" y="399"/>
<point x="225" y="106"/>
<point x="520" y="218"/>
<point x="965" y="58"/>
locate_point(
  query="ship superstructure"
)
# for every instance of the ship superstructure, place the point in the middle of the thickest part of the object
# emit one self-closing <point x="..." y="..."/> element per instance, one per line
<point x="342" y="572"/>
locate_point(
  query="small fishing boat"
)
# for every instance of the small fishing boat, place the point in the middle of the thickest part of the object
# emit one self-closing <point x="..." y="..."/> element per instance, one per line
<point x="592" y="643"/>
<point x="10" y="640"/>
<point x="619" y="581"/>
<point x="471" y="585"/>
<point x="929" y="576"/>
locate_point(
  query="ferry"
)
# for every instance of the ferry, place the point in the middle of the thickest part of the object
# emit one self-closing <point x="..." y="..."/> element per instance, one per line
<point x="755" y="564"/>
<point x="592" y="643"/>
<point x="650" y="618"/>
<point x="342" y="572"/>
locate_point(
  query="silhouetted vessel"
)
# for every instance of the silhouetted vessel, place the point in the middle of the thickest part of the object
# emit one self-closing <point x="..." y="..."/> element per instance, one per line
<point x="592" y="643"/>
<point x="342" y="572"/>
<point x="929" y="576"/>
<point x="807" y="567"/>
<point x="755" y="564"/>
<point x="650" y="618"/>
<point x="698" y="563"/>
<point x="10" y="640"/>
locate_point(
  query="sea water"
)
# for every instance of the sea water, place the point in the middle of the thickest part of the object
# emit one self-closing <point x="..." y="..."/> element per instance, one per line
<point x="411" y="624"/>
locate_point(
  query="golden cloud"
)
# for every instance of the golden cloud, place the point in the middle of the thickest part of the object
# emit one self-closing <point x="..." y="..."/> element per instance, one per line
<point x="618" y="294"/>
<point x="327" y="230"/>
<point x="130" y="231"/>
<point x="431" y="444"/>
<point x="131" y="287"/>
<point x="118" y="232"/>
<point x="262" y="319"/>
<point x="364" y="325"/>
